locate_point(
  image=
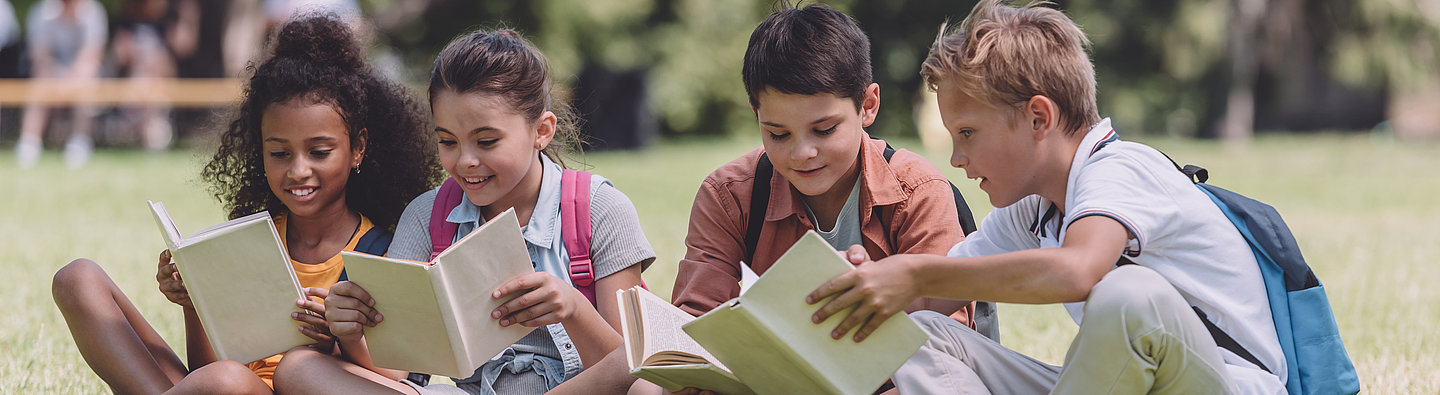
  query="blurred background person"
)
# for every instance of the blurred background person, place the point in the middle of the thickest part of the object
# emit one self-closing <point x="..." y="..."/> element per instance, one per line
<point x="66" y="40"/>
<point x="149" y="37"/>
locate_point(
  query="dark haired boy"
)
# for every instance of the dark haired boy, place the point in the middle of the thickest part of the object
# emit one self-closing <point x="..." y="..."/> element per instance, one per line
<point x="807" y="74"/>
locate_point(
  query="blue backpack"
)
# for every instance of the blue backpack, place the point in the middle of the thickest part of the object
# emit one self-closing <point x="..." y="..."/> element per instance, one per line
<point x="1314" y="355"/>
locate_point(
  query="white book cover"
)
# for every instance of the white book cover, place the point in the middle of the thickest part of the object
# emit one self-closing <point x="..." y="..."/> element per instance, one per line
<point x="437" y="314"/>
<point x="241" y="283"/>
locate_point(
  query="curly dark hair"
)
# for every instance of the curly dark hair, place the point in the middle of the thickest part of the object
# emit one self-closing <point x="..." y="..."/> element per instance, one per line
<point x="317" y="58"/>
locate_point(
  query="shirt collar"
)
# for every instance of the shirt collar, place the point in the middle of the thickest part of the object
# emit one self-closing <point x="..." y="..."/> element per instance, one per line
<point x="879" y="186"/>
<point x="540" y="230"/>
<point x="1100" y="134"/>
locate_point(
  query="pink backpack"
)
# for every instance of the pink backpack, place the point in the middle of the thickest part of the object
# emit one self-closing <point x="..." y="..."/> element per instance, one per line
<point x="574" y="220"/>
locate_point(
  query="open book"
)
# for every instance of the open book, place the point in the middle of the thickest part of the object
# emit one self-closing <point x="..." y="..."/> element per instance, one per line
<point x="657" y="350"/>
<point x="766" y="337"/>
<point x="241" y="283"/>
<point x="437" y="314"/>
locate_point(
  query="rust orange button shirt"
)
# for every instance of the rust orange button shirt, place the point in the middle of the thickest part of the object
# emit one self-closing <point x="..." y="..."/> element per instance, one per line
<point x="906" y="207"/>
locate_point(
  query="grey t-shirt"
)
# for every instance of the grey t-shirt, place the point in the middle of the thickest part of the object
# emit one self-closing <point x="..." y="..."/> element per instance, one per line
<point x="846" y="232"/>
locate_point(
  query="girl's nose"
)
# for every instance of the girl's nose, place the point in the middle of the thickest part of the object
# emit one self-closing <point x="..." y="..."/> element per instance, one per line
<point x="469" y="158"/>
<point x="301" y="169"/>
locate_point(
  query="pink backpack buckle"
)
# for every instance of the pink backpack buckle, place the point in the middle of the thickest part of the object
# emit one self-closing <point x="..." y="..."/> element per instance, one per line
<point x="580" y="272"/>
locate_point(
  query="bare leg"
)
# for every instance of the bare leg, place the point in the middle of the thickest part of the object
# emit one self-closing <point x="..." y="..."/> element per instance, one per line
<point x="306" y="371"/>
<point x="32" y="130"/>
<point x="221" y="377"/>
<point x="610" y="375"/>
<point x="117" y="343"/>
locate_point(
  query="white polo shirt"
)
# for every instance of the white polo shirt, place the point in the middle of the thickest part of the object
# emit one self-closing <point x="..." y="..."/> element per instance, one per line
<point x="1178" y="232"/>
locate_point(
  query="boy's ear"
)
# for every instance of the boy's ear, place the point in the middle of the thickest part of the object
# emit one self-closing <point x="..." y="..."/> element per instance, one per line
<point x="545" y="130"/>
<point x="1042" y="114"/>
<point x="357" y="147"/>
<point x="870" y="105"/>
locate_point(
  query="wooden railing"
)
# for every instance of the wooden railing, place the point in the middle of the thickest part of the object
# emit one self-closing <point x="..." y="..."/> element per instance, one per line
<point x="186" y="92"/>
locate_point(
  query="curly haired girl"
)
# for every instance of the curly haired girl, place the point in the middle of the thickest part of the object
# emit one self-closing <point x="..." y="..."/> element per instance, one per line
<point x="328" y="147"/>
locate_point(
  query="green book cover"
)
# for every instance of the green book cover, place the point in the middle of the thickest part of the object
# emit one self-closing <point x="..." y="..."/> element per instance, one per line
<point x="766" y="337"/>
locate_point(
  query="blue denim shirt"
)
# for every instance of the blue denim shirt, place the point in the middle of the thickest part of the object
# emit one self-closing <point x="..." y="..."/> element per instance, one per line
<point x="547" y="251"/>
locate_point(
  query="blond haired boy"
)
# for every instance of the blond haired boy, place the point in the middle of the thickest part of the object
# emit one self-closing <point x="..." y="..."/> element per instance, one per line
<point x="1106" y="226"/>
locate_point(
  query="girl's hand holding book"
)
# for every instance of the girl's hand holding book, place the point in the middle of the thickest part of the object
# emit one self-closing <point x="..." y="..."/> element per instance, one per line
<point x="349" y="309"/>
<point x="313" y="324"/>
<point x="544" y="299"/>
<point x="170" y="282"/>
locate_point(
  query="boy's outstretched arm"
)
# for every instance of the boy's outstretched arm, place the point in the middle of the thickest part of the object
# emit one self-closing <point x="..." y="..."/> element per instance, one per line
<point x="1039" y="276"/>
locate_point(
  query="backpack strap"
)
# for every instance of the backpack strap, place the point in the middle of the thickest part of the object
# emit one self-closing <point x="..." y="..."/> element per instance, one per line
<point x="759" y="204"/>
<point x="1224" y="340"/>
<point x="374" y="242"/>
<point x="442" y="232"/>
<point x="575" y="229"/>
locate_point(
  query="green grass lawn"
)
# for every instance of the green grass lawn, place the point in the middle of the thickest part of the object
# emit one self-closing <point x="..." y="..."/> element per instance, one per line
<point x="1360" y="207"/>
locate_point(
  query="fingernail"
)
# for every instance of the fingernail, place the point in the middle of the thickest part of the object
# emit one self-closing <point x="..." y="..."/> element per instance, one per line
<point x="836" y="334"/>
<point x="809" y="299"/>
<point x="495" y="314"/>
<point x="495" y="295"/>
<point x="505" y="322"/>
<point x="379" y="317"/>
<point x="815" y="318"/>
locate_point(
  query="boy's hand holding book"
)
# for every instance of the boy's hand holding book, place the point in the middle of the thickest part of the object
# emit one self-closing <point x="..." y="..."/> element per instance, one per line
<point x="876" y="291"/>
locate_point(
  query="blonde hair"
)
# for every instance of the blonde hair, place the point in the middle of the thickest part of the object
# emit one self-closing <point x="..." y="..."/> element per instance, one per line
<point x="1004" y="55"/>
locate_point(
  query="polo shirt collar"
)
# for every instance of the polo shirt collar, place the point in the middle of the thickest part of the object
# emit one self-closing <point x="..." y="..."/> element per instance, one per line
<point x="1100" y="134"/>
<point x="543" y="219"/>
<point x="879" y="186"/>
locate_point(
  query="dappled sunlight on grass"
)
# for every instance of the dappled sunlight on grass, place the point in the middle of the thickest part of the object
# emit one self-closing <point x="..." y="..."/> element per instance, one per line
<point x="1363" y="211"/>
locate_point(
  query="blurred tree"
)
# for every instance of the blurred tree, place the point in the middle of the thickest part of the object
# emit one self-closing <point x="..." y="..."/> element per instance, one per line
<point x="1175" y="67"/>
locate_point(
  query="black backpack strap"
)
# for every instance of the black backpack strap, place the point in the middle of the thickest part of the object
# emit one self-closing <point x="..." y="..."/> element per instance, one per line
<point x="962" y="209"/>
<point x="1224" y="340"/>
<point x="759" y="204"/>
<point x="375" y="241"/>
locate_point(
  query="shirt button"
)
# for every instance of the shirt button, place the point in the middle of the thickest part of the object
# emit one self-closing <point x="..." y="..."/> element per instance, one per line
<point x="568" y="346"/>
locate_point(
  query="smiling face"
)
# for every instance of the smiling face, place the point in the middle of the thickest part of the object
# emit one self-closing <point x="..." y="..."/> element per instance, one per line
<point x="991" y="144"/>
<point x="308" y="156"/>
<point x="490" y="149"/>
<point x="814" y="140"/>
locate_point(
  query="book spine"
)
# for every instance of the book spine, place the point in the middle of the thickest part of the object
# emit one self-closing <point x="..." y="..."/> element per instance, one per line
<point x="449" y="313"/>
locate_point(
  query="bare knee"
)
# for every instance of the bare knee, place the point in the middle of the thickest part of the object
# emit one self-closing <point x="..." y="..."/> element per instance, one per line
<point x="290" y="375"/>
<point x="223" y="377"/>
<point x="79" y="275"/>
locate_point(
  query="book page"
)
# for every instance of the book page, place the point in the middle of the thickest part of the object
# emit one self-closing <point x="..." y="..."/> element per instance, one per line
<point x="413" y="336"/>
<point x="243" y="288"/>
<point x="664" y="342"/>
<point x="205" y="233"/>
<point x="473" y="268"/>
<point x="167" y="225"/>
